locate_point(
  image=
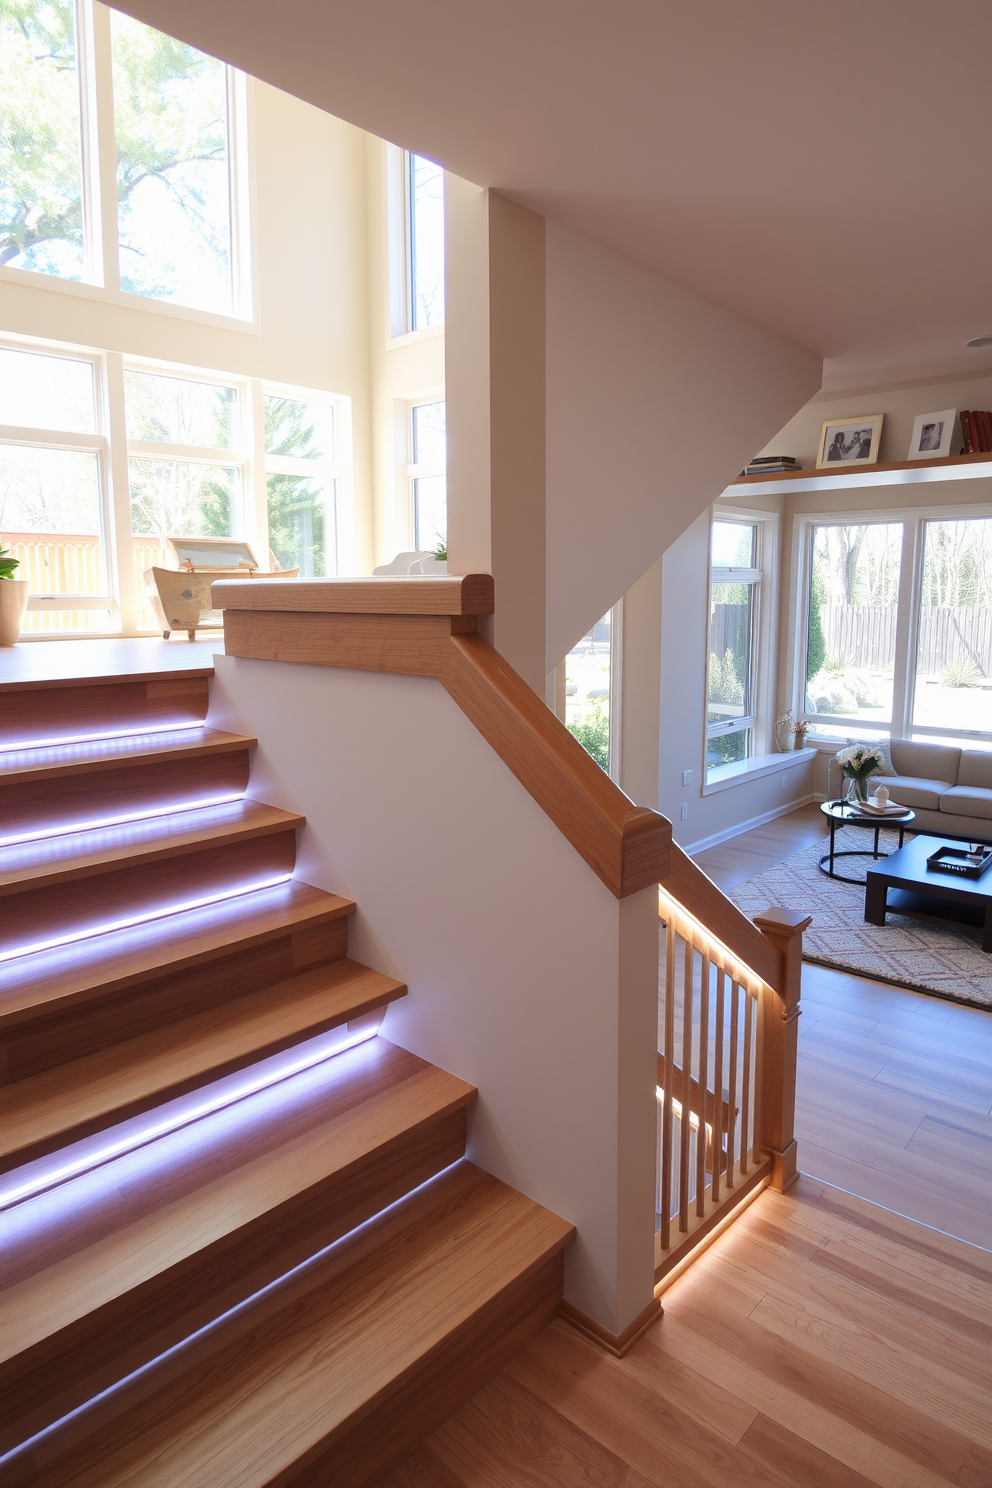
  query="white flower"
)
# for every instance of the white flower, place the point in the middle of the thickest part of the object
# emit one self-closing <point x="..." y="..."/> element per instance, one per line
<point x="858" y="759"/>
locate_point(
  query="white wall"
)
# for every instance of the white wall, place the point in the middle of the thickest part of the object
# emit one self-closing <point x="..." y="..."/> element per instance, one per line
<point x="656" y="398"/>
<point x="526" y="976"/>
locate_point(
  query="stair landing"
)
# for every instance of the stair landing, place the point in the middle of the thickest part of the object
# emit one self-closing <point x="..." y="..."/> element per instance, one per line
<point x="42" y="663"/>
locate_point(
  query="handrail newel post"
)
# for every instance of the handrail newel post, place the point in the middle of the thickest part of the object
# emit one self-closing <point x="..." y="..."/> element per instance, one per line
<point x="780" y="1038"/>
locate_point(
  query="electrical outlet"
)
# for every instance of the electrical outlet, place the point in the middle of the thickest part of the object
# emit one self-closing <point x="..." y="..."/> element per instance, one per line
<point x="685" y="810"/>
<point x="686" y="777"/>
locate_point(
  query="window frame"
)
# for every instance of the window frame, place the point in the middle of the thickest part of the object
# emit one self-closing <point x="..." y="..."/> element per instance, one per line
<point x="415" y="470"/>
<point x="101" y="264"/>
<point x="399" y="216"/>
<point x="914" y="522"/>
<point x="753" y="577"/>
<point x="247" y="455"/>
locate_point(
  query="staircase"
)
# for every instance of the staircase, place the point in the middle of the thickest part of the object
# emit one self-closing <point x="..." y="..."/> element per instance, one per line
<point x="241" y="1242"/>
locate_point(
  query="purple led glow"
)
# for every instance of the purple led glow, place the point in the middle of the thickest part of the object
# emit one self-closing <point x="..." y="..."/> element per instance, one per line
<point x="185" y="1111"/>
<point x="131" y="921"/>
<point x="31" y="1444"/>
<point x="129" y="733"/>
<point x="117" y="821"/>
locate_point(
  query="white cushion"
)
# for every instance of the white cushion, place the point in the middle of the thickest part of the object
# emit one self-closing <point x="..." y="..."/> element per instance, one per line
<point x="967" y="800"/>
<point x="976" y="768"/>
<point x="925" y="761"/>
<point x="913" y="790"/>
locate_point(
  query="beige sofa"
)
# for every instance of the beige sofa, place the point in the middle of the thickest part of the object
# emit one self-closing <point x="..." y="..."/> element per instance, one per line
<point x="949" y="789"/>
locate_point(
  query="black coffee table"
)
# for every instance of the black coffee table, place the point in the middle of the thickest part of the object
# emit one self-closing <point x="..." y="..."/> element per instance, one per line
<point x="903" y="884"/>
<point x="840" y="814"/>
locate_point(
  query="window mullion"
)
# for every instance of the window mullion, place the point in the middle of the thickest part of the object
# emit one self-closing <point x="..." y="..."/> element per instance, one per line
<point x="907" y="617"/>
<point x="254" y="476"/>
<point x="103" y="169"/>
<point x="120" y="558"/>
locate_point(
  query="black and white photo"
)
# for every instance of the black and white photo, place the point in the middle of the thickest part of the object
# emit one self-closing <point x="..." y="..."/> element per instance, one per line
<point x="849" y="441"/>
<point x="933" y="435"/>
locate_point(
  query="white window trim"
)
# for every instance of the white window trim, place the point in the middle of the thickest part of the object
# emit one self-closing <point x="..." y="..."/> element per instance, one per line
<point x="913" y="520"/>
<point x="246" y="455"/>
<point x="763" y="635"/>
<point x="101" y="269"/>
<point x="414" y="471"/>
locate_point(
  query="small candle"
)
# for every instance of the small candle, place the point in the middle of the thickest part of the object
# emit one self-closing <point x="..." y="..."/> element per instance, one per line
<point x="881" y="796"/>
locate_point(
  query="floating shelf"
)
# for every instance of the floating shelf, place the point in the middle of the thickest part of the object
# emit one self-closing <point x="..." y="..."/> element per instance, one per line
<point x="849" y="470"/>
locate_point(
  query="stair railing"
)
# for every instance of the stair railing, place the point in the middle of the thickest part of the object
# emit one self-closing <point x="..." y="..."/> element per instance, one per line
<point x="729" y="999"/>
<point x="727" y="1055"/>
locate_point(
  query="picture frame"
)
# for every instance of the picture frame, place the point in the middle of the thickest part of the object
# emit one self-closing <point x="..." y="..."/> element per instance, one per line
<point x="849" y="441"/>
<point x="935" y="435"/>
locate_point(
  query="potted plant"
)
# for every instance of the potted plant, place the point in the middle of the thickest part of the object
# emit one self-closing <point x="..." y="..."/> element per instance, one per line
<point x="13" y="598"/>
<point x="859" y="763"/>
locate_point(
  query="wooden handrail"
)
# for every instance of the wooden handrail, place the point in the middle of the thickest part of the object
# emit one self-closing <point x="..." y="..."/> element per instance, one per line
<point x="698" y="894"/>
<point x="427" y="627"/>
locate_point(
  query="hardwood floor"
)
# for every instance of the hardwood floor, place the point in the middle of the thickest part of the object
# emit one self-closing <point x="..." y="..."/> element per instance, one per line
<point x="819" y="1343"/>
<point x="894" y="1099"/>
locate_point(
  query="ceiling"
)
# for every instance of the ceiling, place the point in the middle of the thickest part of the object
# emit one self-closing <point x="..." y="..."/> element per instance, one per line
<point x="820" y="166"/>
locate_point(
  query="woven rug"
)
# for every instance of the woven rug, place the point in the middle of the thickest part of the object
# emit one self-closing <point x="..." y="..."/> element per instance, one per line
<point x="947" y="961"/>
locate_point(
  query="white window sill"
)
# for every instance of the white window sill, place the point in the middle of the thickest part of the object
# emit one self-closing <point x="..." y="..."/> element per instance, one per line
<point x="724" y="776"/>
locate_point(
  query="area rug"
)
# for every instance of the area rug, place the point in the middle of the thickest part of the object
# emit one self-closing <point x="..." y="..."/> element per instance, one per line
<point x="946" y="961"/>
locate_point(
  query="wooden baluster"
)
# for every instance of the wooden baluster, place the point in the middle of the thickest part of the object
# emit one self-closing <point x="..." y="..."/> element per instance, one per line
<point x="666" y="1104"/>
<point x="718" y="1121"/>
<point x="779" y="1053"/>
<point x="704" y="1014"/>
<point x="746" y="1079"/>
<point x="732" y="1083"/>
<point x="759" y="1064"/>
<point x="684" y="1128"/>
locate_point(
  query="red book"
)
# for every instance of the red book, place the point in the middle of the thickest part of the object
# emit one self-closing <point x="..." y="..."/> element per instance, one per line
<point x="985" y="431"/>
<point x="969" y="447"/>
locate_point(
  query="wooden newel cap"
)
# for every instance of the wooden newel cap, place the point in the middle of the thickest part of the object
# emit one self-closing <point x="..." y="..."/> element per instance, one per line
<point x="780" y="921"/>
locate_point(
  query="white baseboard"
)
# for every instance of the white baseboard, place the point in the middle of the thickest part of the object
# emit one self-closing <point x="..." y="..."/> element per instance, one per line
<point x="746" y="826"/>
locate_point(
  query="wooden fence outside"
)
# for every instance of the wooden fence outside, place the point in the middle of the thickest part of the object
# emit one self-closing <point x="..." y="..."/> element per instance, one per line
<point x="865" y="636"/>
<point x="71" y="563"/>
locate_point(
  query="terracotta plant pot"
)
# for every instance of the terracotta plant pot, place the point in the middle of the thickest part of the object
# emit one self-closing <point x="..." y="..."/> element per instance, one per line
<point x="13" y="602"/>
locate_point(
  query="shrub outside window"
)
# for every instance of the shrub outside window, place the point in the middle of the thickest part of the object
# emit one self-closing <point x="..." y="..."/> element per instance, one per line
<point x="730" y="677"/>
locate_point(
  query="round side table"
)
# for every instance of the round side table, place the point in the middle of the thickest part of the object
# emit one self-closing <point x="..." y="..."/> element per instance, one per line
<point x="840" y="814"/>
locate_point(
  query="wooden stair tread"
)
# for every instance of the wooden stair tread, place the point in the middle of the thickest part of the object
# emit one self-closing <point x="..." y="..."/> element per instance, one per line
<point x="77" y="1099"/>
<point x="149" y="1219"/>
<point x="305" y="1366"/>
<point x="23" y="765"/>
<point x="80" y="854"/>
<point x="118" y="959"/>
<point x="118" y="659"/>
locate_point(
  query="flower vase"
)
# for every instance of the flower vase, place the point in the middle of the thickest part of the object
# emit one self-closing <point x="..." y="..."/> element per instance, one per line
<point x="857" y="790"/>
<point x="13" y="602"/>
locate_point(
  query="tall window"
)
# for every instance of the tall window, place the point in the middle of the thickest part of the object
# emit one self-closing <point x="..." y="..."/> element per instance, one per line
<point x="428" y="482"/>
<point x="953" y="688"/>
<point x="592" y="672"/>
<point x="301" y="485"/>
<point x="53" y="472"/>
<point x="171" y="110"/>
<point x="41" y="168"/>
<point x="899" y="629"/>
<point x="184" y="469"/>
<point x="735" y="575"/>
<point x="426" y="207"/>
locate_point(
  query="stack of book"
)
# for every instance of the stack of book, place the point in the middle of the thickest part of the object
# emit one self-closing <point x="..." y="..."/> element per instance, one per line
<point x="976" y="427"/>
<point x="771" y="465"/>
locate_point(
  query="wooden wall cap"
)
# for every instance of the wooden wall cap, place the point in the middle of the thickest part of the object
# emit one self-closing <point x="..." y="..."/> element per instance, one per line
<point x="776" y="917"/>
<point x="389" y="594"/>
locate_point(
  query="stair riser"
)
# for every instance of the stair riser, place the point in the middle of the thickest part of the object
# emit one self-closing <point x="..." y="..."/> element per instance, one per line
<point x="41" y="714"/>
<point x="38" y="915"/>
<point x="108" y="1016"/>
<point x="65" y="1370"/>
<point x="71" y="799"/>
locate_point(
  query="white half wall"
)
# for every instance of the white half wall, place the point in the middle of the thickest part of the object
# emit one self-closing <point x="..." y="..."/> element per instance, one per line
<point x="656" y="398"/>
<point x="526" y="976"/>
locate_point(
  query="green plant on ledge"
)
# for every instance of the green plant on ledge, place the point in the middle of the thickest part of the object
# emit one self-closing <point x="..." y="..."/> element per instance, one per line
<point x="441" y="552"/>
<point x="7" y="564"/>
